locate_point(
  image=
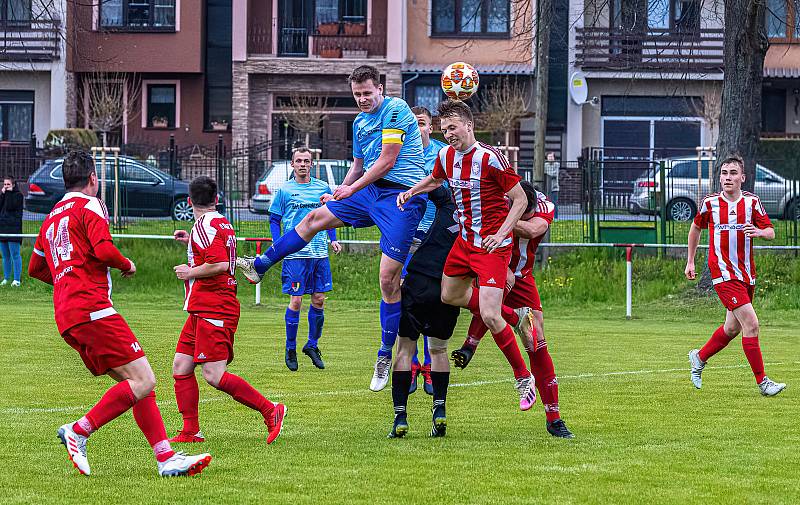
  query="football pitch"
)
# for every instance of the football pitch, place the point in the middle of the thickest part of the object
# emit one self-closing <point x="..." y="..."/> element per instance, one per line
<point x="644" y="434"/>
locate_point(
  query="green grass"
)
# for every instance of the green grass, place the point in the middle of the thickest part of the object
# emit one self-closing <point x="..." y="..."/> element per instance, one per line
<point x="645" y="436"/>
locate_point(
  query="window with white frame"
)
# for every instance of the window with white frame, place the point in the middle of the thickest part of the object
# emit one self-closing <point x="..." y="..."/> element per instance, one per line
<point x="161" y="105"/>
<point x="138" y="15"/>
<point x="16" y="115"/>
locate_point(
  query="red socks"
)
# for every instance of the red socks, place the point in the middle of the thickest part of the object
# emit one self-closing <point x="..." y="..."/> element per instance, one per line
<point x="507" y="343"/>
<point x="187" y="395"/>
<point x="718" y="341"/>
<point x="752" y="351"/>
<point x="115" y="402"/>
<point x="244" y="393"/>
<point x="477" y="329"/>
<point x="545" y="374"/>
<point x="148" y="417"/>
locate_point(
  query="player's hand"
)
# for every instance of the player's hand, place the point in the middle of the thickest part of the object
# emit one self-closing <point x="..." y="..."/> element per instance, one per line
<point x="511" y="279"/>
<point x="689" y="271"/>
<point x="492" y="242"/>
<point x="182" y="271"/>
<point x="131" y="271"/>
<point x="336" y="246"/>
<point x="751" y="231"/>
<point x="402" y="198"/>
<point x="327" y="197"/>
<point x="342" y="192"/>
<point x="181" y="236"/>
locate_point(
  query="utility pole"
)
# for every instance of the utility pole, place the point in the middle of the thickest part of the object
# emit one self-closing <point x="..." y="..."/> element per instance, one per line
<point x="544" y="16"/>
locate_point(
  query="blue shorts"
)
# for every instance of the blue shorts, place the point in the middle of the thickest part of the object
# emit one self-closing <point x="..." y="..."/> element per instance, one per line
<point x="303" y="276"/>
<point x="377" y="206"/>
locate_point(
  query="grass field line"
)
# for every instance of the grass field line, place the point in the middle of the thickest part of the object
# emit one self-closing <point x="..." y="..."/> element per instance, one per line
<point x="350" y="392"/>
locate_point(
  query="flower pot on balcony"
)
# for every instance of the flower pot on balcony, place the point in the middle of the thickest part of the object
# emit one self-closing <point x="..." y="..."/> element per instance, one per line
<point x="355" y="28"/>
<point x="330" y="52"/>
<point x="219" y="126"/>
<point x="328" y="29"/>
<point x="355" y="53"/>
<point x="160" y="123"/>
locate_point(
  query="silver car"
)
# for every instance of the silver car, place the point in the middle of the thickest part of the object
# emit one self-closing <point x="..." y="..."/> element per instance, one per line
<point x="330" y="171"/>
<point x="684" y="192"/>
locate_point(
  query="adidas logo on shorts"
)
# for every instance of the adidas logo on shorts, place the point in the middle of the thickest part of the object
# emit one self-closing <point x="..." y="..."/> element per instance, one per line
<point x="491" y="281"/>
<point x="201" y="356"/>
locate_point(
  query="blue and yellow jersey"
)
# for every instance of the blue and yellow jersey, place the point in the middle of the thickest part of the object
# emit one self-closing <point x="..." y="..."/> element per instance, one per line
<point x="293" y="202"/>
<point x="392" y="123"/>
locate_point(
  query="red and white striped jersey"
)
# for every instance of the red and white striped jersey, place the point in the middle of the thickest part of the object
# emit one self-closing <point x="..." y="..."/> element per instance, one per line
<point x="479" y="180"/>
<point x="523" y="253"/>
<point x="730" y="252"/>
<point x="81" y="282"/>
<point x="212" y="240"/>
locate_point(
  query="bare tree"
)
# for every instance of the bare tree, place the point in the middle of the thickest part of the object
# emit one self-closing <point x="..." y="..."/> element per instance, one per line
<point x="503" y="104"/>
<point x="113" y="101"/>
<point x="306" y="113"/>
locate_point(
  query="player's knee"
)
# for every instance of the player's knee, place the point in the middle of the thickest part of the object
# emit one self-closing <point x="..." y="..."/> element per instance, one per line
<point x="437" y="346"/>
<point x="144" y="384"/>
<point x="212" y="376"/>
<point x="390" y="284"/>
<point x="318" y="300"/>
<point x="731" y="330"/>
<point x="295" y="303"/>
<point x="751" y="327"/>
<point x="493" y="319"/>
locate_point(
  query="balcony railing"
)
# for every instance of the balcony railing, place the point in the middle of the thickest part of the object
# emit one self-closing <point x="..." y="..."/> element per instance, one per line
<point x="37" y="40"/>
<point x="652" y="51"/>
<point x="346" y="39"/>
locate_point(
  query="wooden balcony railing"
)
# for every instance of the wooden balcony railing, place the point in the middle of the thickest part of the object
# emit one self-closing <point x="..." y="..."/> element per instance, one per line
<point x="663" y="51"/>
<point x="37" y="40"/>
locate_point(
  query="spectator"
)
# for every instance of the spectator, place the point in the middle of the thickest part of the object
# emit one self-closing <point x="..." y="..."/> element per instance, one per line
<point x="11" y="222"/>
<point x="551" y="169"/>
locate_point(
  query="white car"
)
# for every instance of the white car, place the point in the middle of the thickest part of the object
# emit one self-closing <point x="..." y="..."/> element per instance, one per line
<point x="332" y="172"/>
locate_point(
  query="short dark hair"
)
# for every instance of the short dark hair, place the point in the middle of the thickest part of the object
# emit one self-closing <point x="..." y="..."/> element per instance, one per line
<point x="733" y="158"/>
<point x="363" y="74"/>
<point x="300" y="149"/>
<point x="10" y="178"/>
<point x="76" y="169"/>
<point x="203" y="191"/>
<point x="420" y="110"/>
<point x="530" y="193"/>
<point x="450" y="108"/>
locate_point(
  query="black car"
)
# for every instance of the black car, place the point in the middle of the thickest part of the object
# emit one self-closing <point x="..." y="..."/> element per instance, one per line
<point x="143" y="190"/>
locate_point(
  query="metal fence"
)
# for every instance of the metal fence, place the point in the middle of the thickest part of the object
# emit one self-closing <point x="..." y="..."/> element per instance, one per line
<point x="605" y="196"/>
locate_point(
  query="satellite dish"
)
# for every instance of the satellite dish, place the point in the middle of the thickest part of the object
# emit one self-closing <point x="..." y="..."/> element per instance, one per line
<point x="578" y="89"/>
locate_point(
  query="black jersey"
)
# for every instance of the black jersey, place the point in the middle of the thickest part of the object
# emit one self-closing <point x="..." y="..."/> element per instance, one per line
<point x="430" y="256"/>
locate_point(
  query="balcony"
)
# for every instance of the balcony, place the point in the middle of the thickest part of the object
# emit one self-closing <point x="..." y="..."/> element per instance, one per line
<point x="654" y="51"/>
<point x="346" y="39"/>
<point x="31" y="41"/>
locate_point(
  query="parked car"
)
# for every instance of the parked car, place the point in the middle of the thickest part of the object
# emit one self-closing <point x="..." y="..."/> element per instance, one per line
<point x="143" y="190"/>
<point x="331" y="171"/>
<point x="777" y="194"/>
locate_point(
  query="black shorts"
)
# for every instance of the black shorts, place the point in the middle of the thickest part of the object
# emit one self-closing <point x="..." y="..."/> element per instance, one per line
<point x="423" y="312"/>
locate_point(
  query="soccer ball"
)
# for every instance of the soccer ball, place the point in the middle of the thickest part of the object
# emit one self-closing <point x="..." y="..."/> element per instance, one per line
<point x="459" y="80"/>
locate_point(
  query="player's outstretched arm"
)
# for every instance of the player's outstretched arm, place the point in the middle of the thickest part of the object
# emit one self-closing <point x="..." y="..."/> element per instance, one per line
<point x="518" y="203"/>
<point x="693" y="241"/>
<point x="38" y="269"/>
<point x="426" y="185"/>
<point x="184" y="272"/>
<point x="109" y="255"/>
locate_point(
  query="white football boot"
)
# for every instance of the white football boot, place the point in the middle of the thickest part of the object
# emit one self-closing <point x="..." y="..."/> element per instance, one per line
<point x="76" y="448"/>
<point x="697" y="368"/>
<point x="181" y="464"/>
<point x="770" y="388"/>
<point x="381" y="376"/>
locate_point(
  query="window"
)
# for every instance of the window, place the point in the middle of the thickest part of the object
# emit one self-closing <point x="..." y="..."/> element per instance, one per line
<point x="675" y="106"/>
<point x="218" y="74"/>
<point x="333" y="12"/>
<point x="16" y="115"/>
<point x="133" y="172"/>
<point x="155" y="15"/>
<point x="428" y="96"/>
<point x="15" y="11"/>
<point x="161" y="105"/>
<point x="783" y="19"/>
<point x="688" y="169"/>
<point x="773" y="110"/>
<point x="658" y="14"/>
<point x="488" y="18"/>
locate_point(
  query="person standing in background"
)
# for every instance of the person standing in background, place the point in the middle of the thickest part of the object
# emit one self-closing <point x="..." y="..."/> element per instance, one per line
<point x="551" y="169"/>
<point x="11" y="222"/>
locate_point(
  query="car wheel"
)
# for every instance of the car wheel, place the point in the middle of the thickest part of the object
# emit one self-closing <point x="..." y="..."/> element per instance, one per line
<point x="181" y="210"/>
<point x="681" y="210"/>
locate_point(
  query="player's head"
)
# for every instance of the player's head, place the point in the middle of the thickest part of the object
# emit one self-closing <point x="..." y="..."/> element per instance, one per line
<point x="533" y="199"/>
<point x="365" y="83"/>
<point x="424" y="121"/>
<point x="731" y="173"/>
<point x="79" y="174"/>
<point x="301" y="163"/>
<point x="203" y="192"/>
<point x="8" y="183"/>
<point x="551" y="156"/>
<point x="457" y="124"/>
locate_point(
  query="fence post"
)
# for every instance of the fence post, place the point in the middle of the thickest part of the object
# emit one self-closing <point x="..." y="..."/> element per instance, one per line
<point x="628" y="281"/>
<point x="33" y="144"/>
<point x="590" y="177"/>
<point x="662" y="200"/>
<point x="172" y="169"/>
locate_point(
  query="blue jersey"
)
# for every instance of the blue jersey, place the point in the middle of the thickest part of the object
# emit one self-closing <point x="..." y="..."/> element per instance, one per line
<point x="392" y="123"/>
<point x="431" y="153"/>
<point x="293" y="202"/>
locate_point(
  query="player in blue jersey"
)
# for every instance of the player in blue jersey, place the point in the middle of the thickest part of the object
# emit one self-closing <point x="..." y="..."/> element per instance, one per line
<point x="308" y="271"/>
<point x="431" y="149"/>
<point x="387" y="160"/>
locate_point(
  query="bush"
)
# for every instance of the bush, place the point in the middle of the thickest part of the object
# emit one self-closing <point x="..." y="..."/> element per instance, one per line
<point x="70" y="138"/>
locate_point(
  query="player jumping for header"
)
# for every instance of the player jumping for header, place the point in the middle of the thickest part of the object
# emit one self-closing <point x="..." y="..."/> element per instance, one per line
<point x="387" y="160"/>
<point x="74" y="252"/>
<point x="733" y="218"/>
<point x="480" y="177"/>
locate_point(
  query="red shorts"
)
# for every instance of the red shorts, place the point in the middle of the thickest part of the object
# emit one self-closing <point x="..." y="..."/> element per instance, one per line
<point x="733" y="294"/>
<point x="524" y="294"/>
<point x="104" y="344"/>
<point x="467" y="261"/>
<point x="207" y="339"/>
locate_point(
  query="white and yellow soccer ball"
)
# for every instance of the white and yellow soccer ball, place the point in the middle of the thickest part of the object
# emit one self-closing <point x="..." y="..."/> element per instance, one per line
<point x="460" y="80"/>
